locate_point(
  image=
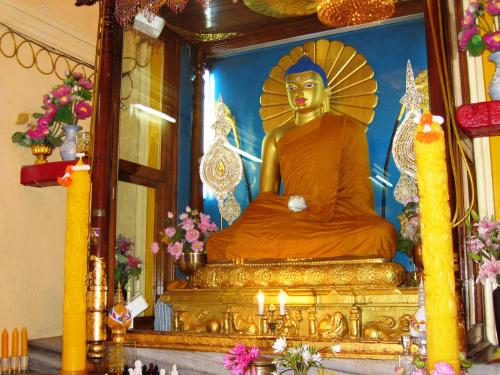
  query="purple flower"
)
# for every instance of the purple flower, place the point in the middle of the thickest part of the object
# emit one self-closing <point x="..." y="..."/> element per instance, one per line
<point x="468" y="20"/>
<point x="465" y="36"/>
<point x="83" y="110"/>
<point x="85" y="83"/>
<point x="493" y="7"/>
<point x="492" y="41"/>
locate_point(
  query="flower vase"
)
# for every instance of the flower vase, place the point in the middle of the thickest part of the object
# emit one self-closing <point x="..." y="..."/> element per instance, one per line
<point x="68" y="148"/>
<point x="496" y="309"/>
<point x="188" y="263"/>
<point x="41" y="152"/>
<point x="494" y="87"/>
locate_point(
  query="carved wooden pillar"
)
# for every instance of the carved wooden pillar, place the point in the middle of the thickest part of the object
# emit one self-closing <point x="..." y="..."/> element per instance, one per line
<point x="105" y="127"/>
<point x="196" y="190"/>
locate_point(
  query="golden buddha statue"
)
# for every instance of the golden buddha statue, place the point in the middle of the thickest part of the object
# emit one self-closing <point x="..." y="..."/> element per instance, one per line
<point x="322" y="161"/>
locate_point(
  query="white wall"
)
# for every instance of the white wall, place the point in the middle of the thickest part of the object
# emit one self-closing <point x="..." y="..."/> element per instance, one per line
<point x="32" y="221"/>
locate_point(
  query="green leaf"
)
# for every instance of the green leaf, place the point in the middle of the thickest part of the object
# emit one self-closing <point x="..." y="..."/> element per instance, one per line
<point x="475" y="216"/>
<point x="475" y="257"/>
<point x="467" y="223"/>
<point x="120" y="258"/>
<point x="136" y="271"/>
<point x="37" y="115"/>
<point x="64" y="115"/>
<point x="476" y="45"/>
<point x="17" y="137"/>
<point x="85" y="94"/>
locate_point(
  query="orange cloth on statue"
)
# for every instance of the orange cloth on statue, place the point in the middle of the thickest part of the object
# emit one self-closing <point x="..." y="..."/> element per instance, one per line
<point x="326" y="162"/>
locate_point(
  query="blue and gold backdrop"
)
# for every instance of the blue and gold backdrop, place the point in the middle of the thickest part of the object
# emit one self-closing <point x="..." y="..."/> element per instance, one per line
<point x="239" y="79"/>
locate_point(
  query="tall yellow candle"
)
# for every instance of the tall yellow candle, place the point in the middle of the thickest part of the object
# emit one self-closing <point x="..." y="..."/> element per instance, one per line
<point x="5" y="344"/>
<point x="75" y="269"/>
<point x="24" y="342"/>
<point x="15" y="343"/>
<point x="437" y="246"/>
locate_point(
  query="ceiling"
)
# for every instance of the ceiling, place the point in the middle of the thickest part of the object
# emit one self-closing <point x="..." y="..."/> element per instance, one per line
<point x="227" y="25"/>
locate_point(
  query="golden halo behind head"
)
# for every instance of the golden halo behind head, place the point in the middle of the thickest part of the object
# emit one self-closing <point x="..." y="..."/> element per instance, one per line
<point x="350" y="79"/>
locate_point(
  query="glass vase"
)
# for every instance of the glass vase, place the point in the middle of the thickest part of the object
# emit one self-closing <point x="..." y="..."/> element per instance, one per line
<point x="68" y="148"/>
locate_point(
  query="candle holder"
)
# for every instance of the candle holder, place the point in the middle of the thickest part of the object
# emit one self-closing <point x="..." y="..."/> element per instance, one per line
<point x="24" y="363"/>
<point x="268" y="323"/>
<point x="14" y="364"/>
<point x="5" y="365"/>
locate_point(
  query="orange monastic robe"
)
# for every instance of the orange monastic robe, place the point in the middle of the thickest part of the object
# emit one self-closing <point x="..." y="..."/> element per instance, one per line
<point x="326" y="162"/>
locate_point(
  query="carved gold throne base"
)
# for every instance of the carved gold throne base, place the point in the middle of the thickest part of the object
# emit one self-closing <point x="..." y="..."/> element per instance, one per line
<point x="354" y="303"/>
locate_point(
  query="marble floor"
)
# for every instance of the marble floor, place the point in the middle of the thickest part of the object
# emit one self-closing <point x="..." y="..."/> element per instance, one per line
<point x="45" y="358"/>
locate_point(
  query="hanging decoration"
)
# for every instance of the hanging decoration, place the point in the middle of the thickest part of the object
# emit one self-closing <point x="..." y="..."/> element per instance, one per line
<point x="221" y="168"/>
<point x="340" y="13"/>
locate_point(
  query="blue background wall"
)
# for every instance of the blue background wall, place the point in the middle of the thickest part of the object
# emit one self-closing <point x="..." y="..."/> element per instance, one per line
<point x="239" y="79"/>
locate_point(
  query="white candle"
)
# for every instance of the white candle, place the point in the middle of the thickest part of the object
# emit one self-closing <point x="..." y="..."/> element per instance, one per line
<point x="282" y="298"/>
<point x="260" y="302"/>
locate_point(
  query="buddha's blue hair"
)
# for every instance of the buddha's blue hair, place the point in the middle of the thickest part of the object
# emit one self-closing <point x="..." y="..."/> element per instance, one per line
<point x="305" y="64"/>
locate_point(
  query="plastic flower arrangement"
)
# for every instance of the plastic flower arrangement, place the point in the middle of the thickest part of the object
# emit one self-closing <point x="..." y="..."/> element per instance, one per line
<point x="239" y="359"/>
<point x="127" y="265"/>
<point x="299" y="359"/>
<point x="409" y="220"/>
<point x="65" y="104"/>
<point x="483" y="247"/>
<point x="440" y="368"/>
<point x="474" y="24"/>
<point x="189" y="236"/>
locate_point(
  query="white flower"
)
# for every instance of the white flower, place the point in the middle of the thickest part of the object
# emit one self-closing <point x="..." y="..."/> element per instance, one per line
<point x="188" y="209"/>
<point x="306" y="356"/>
<point x="170" y="215"/>
<point x="316" y="357"/>
<point x="279" y="345"/>
<point x="293" y="351"/>
<point x="336" y="349"/>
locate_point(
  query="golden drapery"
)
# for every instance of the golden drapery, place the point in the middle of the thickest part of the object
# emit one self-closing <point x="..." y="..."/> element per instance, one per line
<point x="325" y="161"/>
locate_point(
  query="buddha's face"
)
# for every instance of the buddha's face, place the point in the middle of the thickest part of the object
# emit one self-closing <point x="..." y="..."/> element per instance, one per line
<point x="305" y="91"/>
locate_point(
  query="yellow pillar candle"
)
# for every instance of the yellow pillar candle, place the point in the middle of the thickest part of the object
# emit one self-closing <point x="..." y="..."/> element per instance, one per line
<point x="439" y="278"/>
<point x="77" y="179"/>
<point x="15" y="343"/>
<point x="24" y="342"/>
<point x="5" y="344"/>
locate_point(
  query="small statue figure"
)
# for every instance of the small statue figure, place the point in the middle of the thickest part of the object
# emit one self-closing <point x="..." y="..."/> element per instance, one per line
<point x="243" y="326"/>
<point x="202" y="324"/>
<point x="333" y="326"/>
<point x="226" y="322"/>
<point x="313" y="322"/>
<point x="291" y="325"/>
<point x="354" y="322"/>
<point x="383" y="329"/>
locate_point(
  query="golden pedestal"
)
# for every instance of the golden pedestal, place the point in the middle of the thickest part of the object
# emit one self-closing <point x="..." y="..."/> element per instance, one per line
<point x="356" y="304"/>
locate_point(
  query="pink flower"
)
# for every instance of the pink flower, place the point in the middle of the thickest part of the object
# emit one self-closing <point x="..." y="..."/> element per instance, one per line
<point x="468" y="20"/>
<point x="192" y="235"/>
<point x="169" y="231"/>
<point x="492" y="41"/>
<point x="197" y="246"/>
<point x="62" y="90"/>
<point x="475" y="245"/>
<point x="38" y="132"/>
<point x="493" y="7"/>
<point x="485" y="227"/>
<point x="83" y="110"/>
<point x="443" y="368"/>
<point x="155" y="247"/>
<point x="175" y="250"/>
<point x="77" y="75"/>
<point x="47" y="100"/>
<point x="85" y="83"/>
<point x="133" y="261"/>
<point x="419" y="371"/>
<point x="239" y="359"/>
<point x="465" y="36"/>
<point x="183" y="216"/>
<point x="187" y="224"/>
<point x="50" y="111"/>
<point x="490" y="268"/>
<point x="473" y="6"/>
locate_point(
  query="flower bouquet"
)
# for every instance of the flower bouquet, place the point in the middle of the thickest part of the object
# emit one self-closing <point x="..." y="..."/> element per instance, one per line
<point x="477" y="33"/>
<point x="409" y="236"/>
<point x="127" y="265"/>
<point x="239" y="360"/>
<point x="299" y="359"/>
<point x="483" y="247"/>
<point x="64" y="105"/>
<point x="188" y="236"/>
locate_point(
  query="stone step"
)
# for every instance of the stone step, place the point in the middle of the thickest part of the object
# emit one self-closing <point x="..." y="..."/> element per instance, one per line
<point x="45" y="355"/>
